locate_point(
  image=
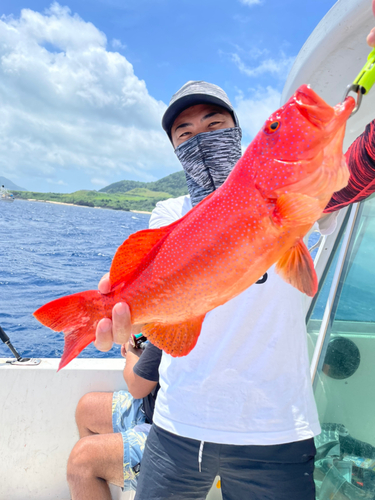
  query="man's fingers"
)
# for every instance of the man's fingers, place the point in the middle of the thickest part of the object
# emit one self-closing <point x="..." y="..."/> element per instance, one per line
<point x="123" y="350"/>
<point x="121" y="327"/>
<point x="104" y="284"/>
<point x="104" y="338"/>
<point x="371" y="38"/>
<point x="118" y="330"/>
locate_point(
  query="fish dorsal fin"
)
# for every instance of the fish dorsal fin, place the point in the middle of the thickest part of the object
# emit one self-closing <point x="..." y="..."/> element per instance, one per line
<point x="296" y="267"/>
<point x="134" y="250"/>
<point x="296" y="208"/>
<point x="176" y="339"/>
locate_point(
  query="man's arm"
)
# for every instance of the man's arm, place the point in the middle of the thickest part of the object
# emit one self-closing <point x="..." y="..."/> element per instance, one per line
<point x="138" y="387"/>
<point x="361" y="162"/>
<point x="118" y="331"/>
<point x="360" y="158"/>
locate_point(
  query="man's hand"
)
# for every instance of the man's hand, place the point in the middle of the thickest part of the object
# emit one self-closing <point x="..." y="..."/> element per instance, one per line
<point x="371" y="38"/>
<point x="371" y="35"/>
<point x="124" y="349"/>
<point x="119" y="329"/>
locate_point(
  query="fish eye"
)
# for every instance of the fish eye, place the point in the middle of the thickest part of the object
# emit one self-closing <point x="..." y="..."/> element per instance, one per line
<point x="272" y="127"/>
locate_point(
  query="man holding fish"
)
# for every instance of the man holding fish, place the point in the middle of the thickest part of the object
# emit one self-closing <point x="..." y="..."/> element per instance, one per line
<point x="240" y="405"/>
<point x="235" y="395"/>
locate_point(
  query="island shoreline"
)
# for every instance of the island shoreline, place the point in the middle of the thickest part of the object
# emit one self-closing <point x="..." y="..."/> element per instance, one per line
<point x="85" y="206"/>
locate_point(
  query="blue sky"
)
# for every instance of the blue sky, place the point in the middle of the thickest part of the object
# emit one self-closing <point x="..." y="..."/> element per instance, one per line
<point x="83" y="84"/>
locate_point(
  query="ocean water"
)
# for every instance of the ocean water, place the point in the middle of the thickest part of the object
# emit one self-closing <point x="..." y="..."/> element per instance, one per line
<point x="47" y="251"/>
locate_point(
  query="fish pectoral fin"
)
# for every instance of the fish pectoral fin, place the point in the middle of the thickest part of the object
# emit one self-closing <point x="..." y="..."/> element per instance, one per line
<point x="296" y="208"/>
<point x="134" y="250"/>
<point x="175" y="339"/>
<point x="297" y="268"/>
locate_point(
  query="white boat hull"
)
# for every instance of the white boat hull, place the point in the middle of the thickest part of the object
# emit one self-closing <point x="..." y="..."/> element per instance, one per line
<point x="38" y="429"/>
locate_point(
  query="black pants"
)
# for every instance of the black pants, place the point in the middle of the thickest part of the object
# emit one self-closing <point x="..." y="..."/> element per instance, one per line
<point x="170" y="469"/>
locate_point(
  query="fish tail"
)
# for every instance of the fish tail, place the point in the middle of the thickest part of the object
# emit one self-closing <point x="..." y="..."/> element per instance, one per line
<point x="77" y="317"/>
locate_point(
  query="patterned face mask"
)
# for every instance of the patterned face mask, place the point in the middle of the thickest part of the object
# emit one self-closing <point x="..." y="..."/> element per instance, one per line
<point x="208" y="158"/>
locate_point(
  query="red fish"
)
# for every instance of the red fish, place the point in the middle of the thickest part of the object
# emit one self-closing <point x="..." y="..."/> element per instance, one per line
<point x="172" y="276"/>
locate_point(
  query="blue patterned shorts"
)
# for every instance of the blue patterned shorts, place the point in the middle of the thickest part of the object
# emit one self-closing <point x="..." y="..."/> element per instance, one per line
<point x="129" y="419"/>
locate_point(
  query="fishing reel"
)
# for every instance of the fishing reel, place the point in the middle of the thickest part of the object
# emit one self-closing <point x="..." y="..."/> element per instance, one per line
<point x="138" y="341"/>
<point x="19" y="359"/>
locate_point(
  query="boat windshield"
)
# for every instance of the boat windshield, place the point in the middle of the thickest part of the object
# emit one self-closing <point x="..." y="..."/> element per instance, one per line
<point x="343" y="381"/>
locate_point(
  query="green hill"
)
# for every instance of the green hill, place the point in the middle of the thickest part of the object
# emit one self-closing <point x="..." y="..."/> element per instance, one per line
<point x="8" y="184"/>
<point x="123" y="195"/>
<point x="174" y="184"/>
<point x="122" y="187"/>
<point x="147" y="193"/>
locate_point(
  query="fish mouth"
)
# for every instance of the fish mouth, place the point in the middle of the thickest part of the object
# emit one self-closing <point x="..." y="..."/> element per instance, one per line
<point x="313" y="107"/>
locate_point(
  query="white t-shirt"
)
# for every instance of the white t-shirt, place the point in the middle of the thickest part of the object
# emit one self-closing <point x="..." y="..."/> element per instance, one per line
<point x="247" y="380"/>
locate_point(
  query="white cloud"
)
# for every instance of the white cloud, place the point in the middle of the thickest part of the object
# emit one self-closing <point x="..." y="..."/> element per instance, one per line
<point x="251" y="2"/>
<point x="117" y="44"/>
<point x="241" y="19"/>
<point x="67" y="104"/>
<point x="279" y="67"/>
<point x="253" y="111"/>
<point x="99" y="182"/>
<point x="59" y="183"/>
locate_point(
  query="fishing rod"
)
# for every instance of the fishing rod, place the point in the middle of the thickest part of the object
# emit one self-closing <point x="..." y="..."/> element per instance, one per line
<point x="19" y="359"/>
<point x="363" y="82"/>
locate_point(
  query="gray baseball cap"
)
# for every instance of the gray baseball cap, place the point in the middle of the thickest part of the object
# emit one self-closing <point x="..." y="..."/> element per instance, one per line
<point x="192" y="93"/>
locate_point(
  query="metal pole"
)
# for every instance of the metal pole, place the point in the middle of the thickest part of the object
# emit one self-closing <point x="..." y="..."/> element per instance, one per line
<point x="327" y="317"/>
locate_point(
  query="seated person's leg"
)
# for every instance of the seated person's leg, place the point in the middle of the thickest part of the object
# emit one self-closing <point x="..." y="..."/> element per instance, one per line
<point x="127" y="412"/>
<point x="94" y="414"/>
<point x="98" y="459"/>
<point x="134" y="442"/>
<point x="94" y="461"/>
<point x="106" y="420"/>
<point x="106" y="412"/>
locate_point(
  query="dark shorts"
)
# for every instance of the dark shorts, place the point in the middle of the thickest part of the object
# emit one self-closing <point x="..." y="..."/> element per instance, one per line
<point x="170" y="469"/>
